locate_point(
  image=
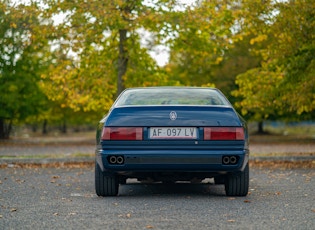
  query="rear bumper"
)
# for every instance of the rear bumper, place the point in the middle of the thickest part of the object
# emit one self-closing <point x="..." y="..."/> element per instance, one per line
<point x="208" y="161"/>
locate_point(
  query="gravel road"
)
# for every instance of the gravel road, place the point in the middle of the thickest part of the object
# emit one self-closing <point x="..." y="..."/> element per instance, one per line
<point x="55" y="198"/>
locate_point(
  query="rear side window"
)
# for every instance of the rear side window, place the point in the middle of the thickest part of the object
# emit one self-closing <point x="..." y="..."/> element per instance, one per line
<point x="171" y="96"/>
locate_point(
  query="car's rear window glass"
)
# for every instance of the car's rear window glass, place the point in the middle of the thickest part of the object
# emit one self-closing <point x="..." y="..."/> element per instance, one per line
<point x="171" y="96"/>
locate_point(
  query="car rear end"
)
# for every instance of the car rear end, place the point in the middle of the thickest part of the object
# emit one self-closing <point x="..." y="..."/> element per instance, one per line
<point x="171" y="143"/>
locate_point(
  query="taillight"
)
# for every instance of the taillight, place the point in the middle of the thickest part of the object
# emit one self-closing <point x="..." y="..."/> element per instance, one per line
<point x="223" y="133"/>
<point x="122" y="133"/>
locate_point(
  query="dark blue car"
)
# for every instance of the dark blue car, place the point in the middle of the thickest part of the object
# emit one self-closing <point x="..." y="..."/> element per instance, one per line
<point x="170" y="134"/>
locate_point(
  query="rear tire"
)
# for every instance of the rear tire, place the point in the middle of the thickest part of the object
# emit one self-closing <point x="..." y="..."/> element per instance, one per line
<point x="237" y="184"/>
<point x="105" y="184"/>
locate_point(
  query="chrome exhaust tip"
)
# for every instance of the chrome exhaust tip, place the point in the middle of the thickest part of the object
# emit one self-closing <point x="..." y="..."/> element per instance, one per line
<point x="112" y="159"/>
<point x="225" y="160"/>
<point x="120" y="160"/>
<point x="233" y="160"/>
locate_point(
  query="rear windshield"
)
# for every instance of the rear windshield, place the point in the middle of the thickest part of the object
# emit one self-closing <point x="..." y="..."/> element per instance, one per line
<point x="171" y="96"/>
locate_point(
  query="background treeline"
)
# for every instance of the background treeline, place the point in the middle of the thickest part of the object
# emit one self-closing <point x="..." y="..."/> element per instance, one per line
<point x="260" y="53"/>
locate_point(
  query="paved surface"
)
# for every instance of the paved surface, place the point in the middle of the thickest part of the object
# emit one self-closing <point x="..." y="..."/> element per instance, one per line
<point x="64" y="198"/>
<point x="54" y="198"/>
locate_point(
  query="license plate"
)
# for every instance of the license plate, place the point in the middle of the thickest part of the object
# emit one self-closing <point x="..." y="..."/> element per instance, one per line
<point x="173" y="133"/>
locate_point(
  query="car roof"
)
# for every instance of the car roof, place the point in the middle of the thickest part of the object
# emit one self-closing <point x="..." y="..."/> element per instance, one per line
<point x="175" y="87"/>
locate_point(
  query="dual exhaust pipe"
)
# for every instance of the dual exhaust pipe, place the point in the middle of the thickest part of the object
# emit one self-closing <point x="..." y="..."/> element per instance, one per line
<point x="230" y="160"/>
<point x="116" y="160"/>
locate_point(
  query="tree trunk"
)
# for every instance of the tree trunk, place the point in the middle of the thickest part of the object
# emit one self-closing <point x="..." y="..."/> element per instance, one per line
<point x="261" y="127"/>
<point x="44" y="131"/>
<point x="64" y="127"/>
<point x="2" y="129"/>
<point x="126" y="9"/>
<point x="5" y="128"/>
<point x="122" y="60"/>
<point x="34" y="128"/>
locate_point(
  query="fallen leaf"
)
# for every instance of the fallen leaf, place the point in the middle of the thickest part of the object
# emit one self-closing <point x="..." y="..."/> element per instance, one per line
<point x="231" y="221"/>
<point x="13" y="210"/>
<point x="149" y="226"/>
<point x="56" y="214"/>
<point x="231" y="198"/>
<point x="1" y="216"/>
<point x="75" y="194"/>
<point x="278" y="193"/>
<point x="247" y="201"/>
<point x="128" y="215"/>
<point x="313" y="210"/>
<point x="20" y="181"/>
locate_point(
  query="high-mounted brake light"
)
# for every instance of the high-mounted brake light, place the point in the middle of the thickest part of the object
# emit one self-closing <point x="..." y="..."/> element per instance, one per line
<point x="122" y="133"/>
<point x="224" y="133"/>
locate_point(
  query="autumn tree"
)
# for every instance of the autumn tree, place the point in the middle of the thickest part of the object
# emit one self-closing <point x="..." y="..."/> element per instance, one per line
<point x="202" y="37"/>
<point x="208" y="49"/>
<point x="99" y="52"/>
<point x="283" y="86"/>
<point x="24" y="54"/>
<point x="72" y="69"/>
